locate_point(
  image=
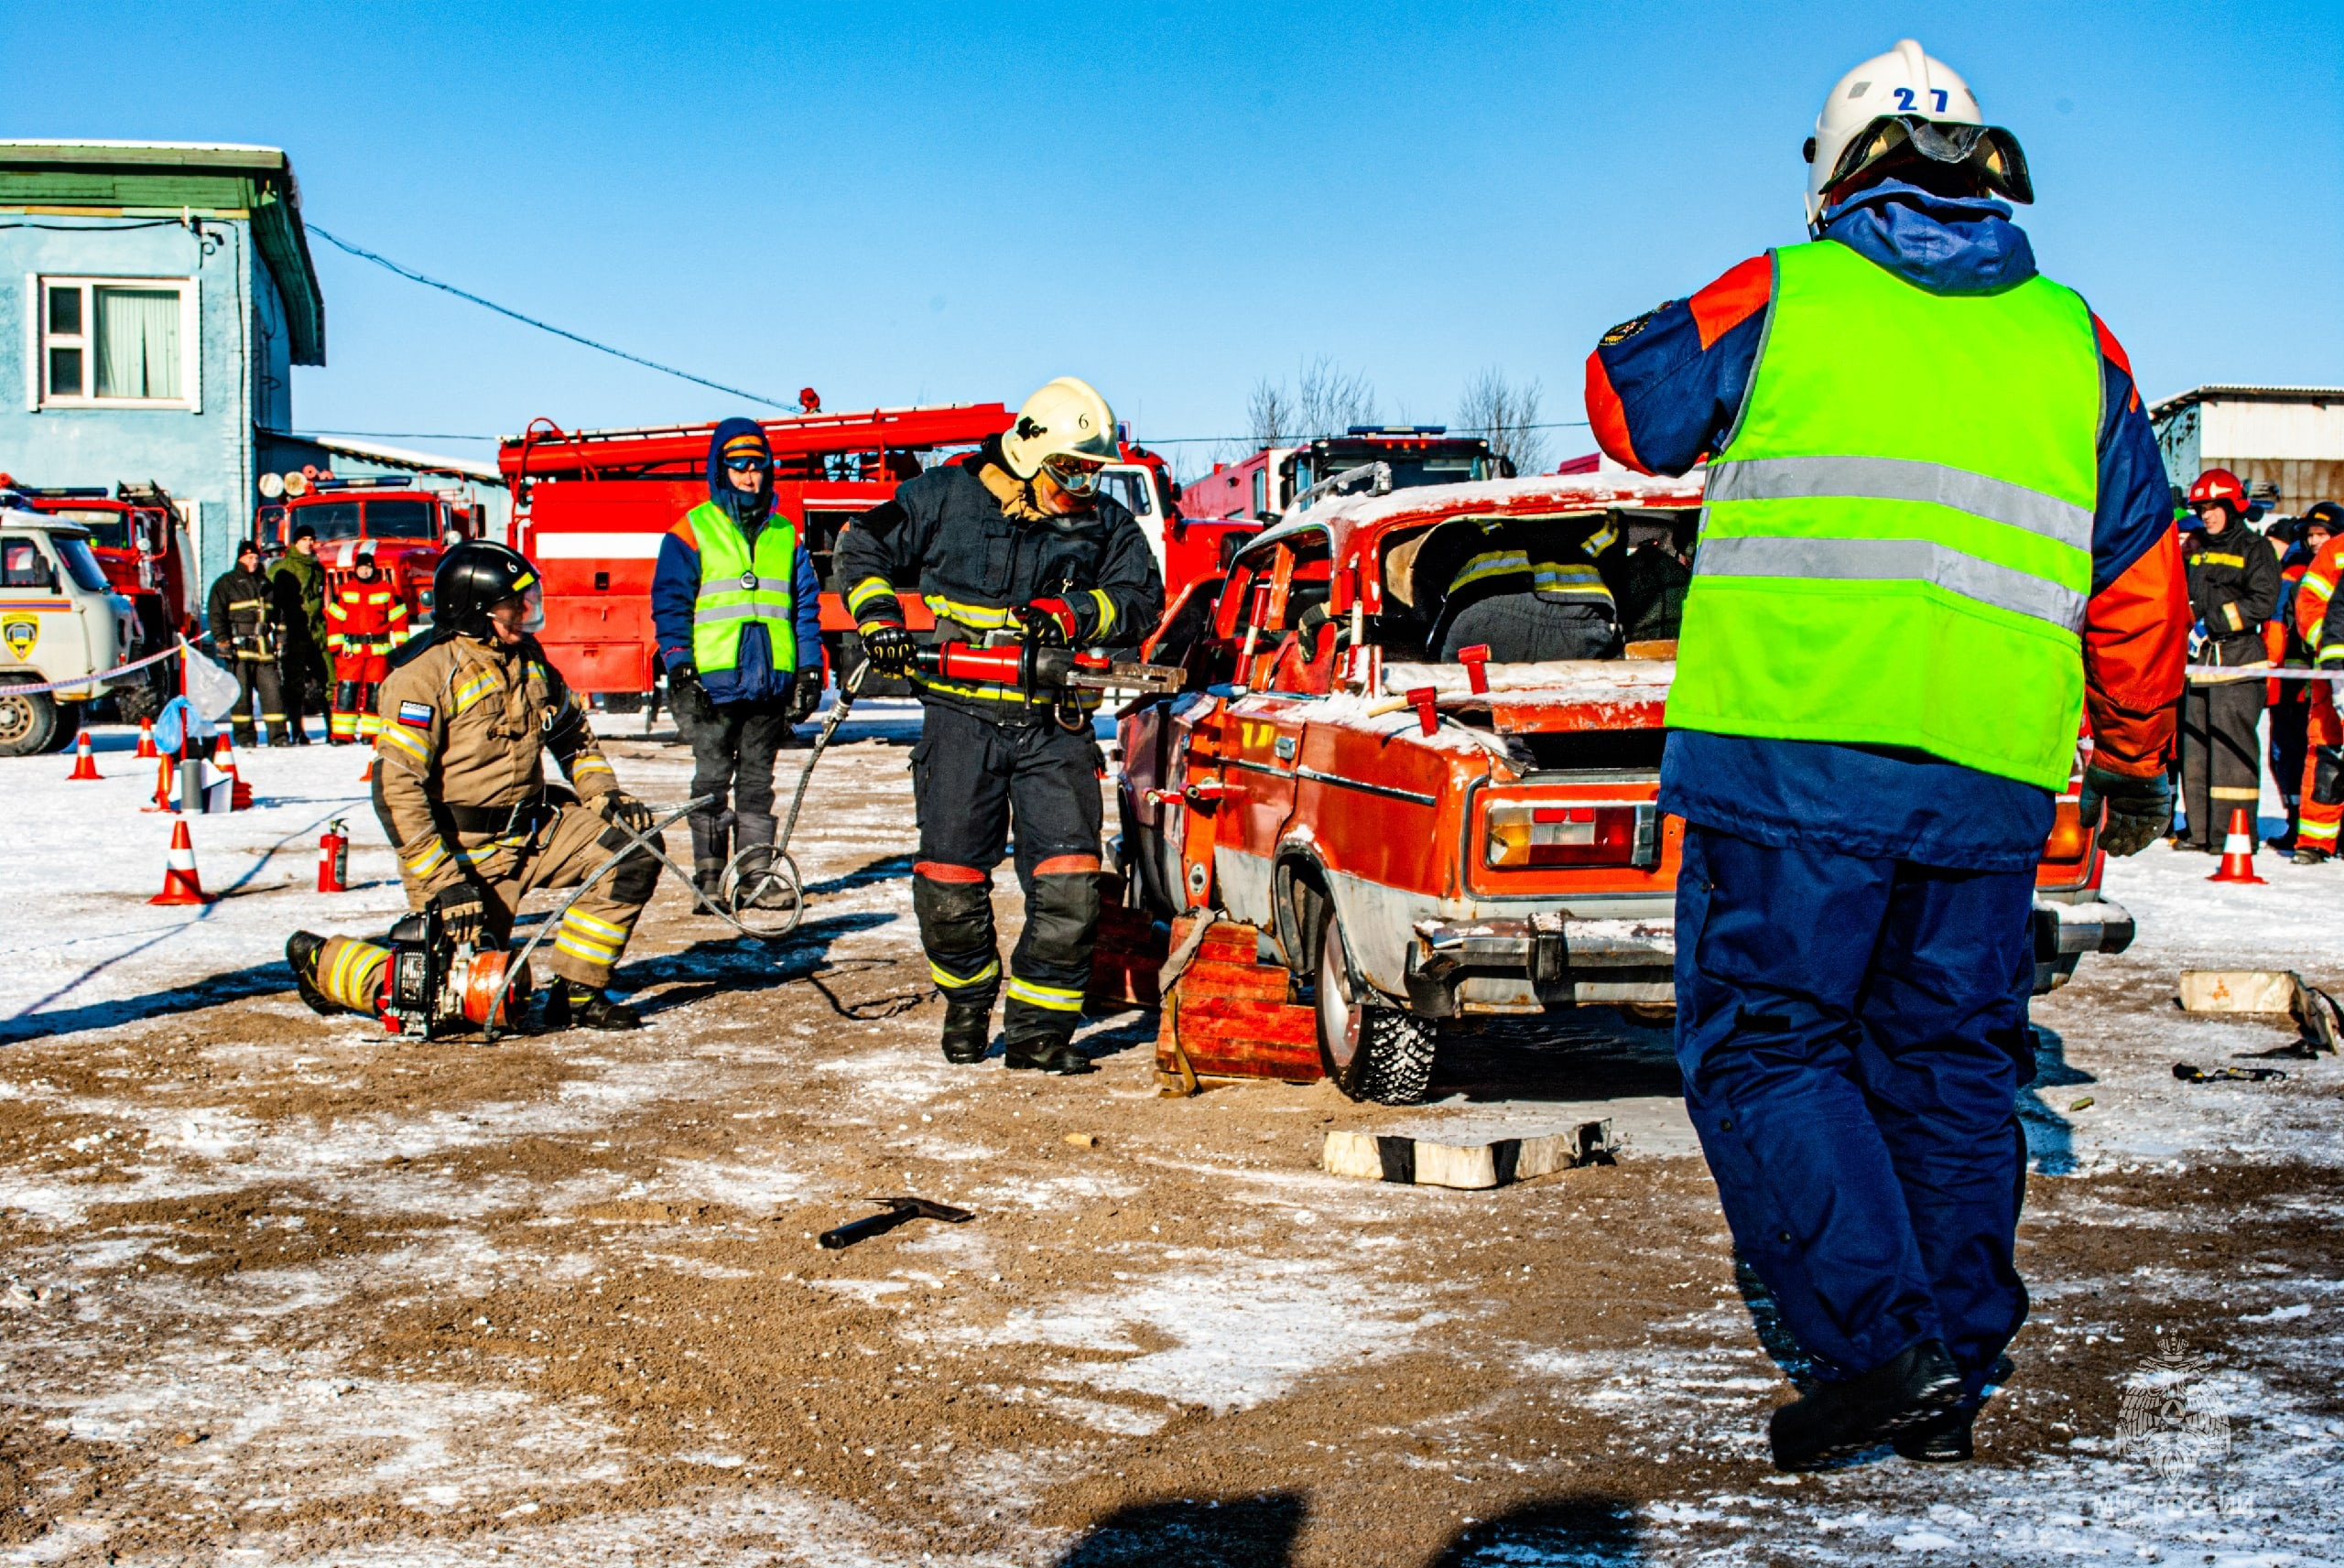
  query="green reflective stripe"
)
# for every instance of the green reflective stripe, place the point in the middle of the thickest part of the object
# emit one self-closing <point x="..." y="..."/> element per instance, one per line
<point x="947" y="981"/>
<point x="741" y="586"/>
<point x="1106" y="614"/>
<point x="1496" y="563"/>
<point x="1883" y="560"/>
<point x="1580" y="579"/>
<point x="1896" y="540"/>
<point x="982" y="617"/>
<point x="1897" y="479"/>
<point x="1057" y="999"/>
<point x="866" y="590"/>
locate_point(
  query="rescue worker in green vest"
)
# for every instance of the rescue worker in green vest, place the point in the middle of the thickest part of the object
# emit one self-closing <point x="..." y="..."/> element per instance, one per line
<point x="297" y="584"/>
<point x="738" y="614"/>
<point x="1937" y="537"/>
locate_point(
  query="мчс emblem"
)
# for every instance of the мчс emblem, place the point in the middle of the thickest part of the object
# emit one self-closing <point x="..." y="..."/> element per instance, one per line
<point x="2169" y="1418"/>
<point x="20" y="636"/>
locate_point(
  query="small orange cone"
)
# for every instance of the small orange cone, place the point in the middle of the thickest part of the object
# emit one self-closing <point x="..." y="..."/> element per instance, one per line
<point x="166" y="779"/>
<point x="147" y="753"/>
<point x="224" y="757"/>
<point x="2238" y="850"/>
<point x="85" y="764"/>
<point x="368" y="777"/>
<point x="181" y="885"/>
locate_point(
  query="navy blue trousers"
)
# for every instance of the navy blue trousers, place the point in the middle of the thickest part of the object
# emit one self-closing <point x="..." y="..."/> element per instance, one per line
<point x="1854" y="1036"/>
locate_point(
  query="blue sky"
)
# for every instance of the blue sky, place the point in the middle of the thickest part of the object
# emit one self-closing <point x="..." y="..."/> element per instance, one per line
<point x="910" y="202"/>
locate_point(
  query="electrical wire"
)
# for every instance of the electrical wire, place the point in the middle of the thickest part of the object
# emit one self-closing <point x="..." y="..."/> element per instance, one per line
<point x="412" y="276"/>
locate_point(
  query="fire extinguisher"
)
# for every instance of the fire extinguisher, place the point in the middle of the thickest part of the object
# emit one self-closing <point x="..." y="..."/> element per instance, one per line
<point x="333" y="858"/>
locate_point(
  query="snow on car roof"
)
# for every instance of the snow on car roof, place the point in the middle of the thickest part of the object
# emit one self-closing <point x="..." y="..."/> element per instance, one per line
<point x="1552" y="492"/>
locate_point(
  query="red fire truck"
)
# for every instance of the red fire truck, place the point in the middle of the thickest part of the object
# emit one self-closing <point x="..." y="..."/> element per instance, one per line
<point x="1186" y="548"/>
<point x="411" y="527"/>
<point x="1277" y="479"/>
<point x="138" y="538"/>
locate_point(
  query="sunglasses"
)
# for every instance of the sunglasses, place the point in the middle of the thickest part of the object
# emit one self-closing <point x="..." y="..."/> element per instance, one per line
<point x="748" y="465"/>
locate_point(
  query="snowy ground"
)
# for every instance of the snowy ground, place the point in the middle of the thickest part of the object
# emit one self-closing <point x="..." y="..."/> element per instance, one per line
<point x="274" y="1291"/>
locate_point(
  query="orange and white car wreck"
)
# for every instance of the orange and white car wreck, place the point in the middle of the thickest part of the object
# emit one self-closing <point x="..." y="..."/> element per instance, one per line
<point x="1378" y="841"/>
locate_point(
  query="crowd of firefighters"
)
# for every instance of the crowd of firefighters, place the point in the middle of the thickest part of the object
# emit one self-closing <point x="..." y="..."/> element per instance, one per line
<point x="1892" y="628"/>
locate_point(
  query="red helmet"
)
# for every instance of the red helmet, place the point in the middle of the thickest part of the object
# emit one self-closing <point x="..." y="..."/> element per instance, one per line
<point x="2219" y="484"/>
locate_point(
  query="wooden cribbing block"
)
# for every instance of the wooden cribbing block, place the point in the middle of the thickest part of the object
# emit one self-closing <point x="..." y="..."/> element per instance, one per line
<point x="1235" y="1037"/>
<point x="1470" y="1165"/>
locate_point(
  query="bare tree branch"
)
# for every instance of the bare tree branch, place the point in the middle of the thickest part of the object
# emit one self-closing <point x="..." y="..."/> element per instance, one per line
<point x="1269" y="414"/>
<point x="1507" y="415"/>
<point x="1333" y="399"/>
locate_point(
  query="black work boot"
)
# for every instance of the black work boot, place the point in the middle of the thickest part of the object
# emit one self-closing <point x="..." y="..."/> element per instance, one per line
<point x="570" y="1005"/>
<point x="754" y="836"/>
<point x="2306" y="855"/>
<point x="1047" y="1053"/>
<point x="707" y="878"/>
<point x="968" y="1030"/>
<point x="1942" y="1440"/>
<point x="1839" y="1421"/>
<point x="301" y="950"/>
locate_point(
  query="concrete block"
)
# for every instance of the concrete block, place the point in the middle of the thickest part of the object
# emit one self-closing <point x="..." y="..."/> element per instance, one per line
<point x="1471" y="1166"/>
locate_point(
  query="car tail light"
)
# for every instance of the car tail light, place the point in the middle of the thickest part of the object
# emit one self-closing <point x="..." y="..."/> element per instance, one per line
<point x="2069" y="838"/>
<point x="1571" y="833"/>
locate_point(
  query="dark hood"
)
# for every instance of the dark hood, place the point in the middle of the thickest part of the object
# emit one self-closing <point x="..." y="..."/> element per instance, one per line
<point x="1943" y="244"/>
<point x="746" y="510"/>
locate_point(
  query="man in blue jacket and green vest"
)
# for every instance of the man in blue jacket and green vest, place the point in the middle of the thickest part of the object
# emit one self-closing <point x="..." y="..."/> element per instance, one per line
<point x="738" y="613"/>
<point x="1937" y="537"/>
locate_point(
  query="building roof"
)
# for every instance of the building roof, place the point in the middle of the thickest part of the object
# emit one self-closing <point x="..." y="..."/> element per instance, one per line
<point x="2219" y="391"/>
<point x="164" y="179"/>
<point x="401" y="457"/>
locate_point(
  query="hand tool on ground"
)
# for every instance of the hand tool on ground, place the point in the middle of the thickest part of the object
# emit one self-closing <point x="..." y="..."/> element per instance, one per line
<point x="2190" y="1075"/>
<point x="899" y="1211"/>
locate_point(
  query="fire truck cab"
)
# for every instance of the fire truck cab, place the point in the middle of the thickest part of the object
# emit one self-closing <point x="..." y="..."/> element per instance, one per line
<point x="137" y="538"/>
<point x="1278" y="480"/>
<point x="411" y="527"/>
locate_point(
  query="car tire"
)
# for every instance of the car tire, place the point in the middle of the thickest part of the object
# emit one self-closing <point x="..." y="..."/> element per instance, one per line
<point x="30" y="724"/>
<point x="1371" y="1052"/>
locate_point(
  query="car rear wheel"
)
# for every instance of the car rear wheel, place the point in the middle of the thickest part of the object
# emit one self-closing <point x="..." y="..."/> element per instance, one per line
<point x="32" y="723"/>
<point x="1372" y="1052"/>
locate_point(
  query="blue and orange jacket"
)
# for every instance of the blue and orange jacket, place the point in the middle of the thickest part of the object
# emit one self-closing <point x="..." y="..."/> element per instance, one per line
<point x="1663" y="390"/>
<point x="675" y="585"/>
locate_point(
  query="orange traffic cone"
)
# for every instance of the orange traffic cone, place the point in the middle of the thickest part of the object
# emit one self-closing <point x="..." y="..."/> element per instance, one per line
<point x="368" y="777"/>
<point x="166" y="779"/>
<point x="2238" y="850"/>
<point x="147" y="753"/>
<point x="85" y="764"/>
<point x="224" y="757"/>
<point x="181" y="885"/>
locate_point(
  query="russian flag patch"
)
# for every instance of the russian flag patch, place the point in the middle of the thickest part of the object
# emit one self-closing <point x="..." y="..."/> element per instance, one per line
<point x="416" y="715"/>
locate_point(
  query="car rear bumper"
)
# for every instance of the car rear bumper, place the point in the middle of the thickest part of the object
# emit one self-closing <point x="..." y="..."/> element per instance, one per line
<point x="1530" y="963"/>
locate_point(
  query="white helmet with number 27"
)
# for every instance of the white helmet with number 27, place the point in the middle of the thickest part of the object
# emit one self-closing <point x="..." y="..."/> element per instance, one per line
<point x="1906" y="107"/>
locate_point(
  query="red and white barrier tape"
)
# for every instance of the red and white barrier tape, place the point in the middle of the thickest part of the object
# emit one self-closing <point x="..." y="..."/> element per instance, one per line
<point x="2267" y="671"/>
<point x="102" y="677"/>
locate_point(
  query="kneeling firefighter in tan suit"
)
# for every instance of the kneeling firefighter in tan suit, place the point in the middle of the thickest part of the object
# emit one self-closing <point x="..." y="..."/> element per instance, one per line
<point x="468" y="715"/>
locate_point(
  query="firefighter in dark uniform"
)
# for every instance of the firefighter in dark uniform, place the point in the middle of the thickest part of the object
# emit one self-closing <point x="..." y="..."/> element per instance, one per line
<point x="245" y="628"/>
<point x="2233" y="590"/>
<point x="1016" y="536"/>
<point x="1527" y="588"/>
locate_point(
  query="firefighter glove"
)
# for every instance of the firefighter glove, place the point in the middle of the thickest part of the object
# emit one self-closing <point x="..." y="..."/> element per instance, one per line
<point x="2139" y="810"/>
<point x="1052" y="620"/>
<point x="891" y="649"/>
<point x="680" y="672"/>
<point x="806" y="695"/>
<point x="629" y="813"/>
<point x="462" y="910"/>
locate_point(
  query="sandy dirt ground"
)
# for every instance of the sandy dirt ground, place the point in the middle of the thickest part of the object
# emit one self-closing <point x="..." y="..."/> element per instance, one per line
<point x="276" y="1291"/>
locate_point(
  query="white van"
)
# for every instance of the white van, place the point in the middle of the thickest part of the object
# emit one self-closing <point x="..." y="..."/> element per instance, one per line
<point x="57" y="619"/>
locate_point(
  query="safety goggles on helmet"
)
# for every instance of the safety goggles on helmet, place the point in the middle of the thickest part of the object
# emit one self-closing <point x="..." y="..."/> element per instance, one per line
<point x="1074" y="474"/>
<point x="1987" y="152"/>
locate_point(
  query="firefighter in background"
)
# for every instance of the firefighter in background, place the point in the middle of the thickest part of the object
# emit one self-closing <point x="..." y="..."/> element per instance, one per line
<point x="1904" y="602"/>
<point x="468" y="716"/>
<point x="2286" y="702"/>
<point x="2323" y="635"/>
<point x="737" y="608"/>
<point x="365" y="618"/>
<point x="243" y="620"/>
<point x="297" y="584"/>
<point x="1526" y="588"/>
<point x="2233" y="590"/>
<point x="1016" y="536"/>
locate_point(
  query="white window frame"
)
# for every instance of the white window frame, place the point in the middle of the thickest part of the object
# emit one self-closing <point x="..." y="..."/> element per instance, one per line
<point x="39" y="341"/>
